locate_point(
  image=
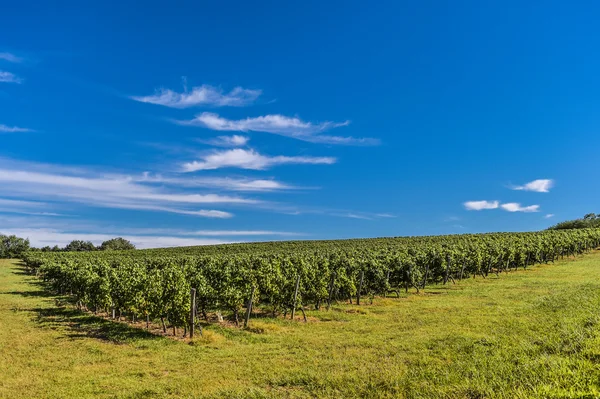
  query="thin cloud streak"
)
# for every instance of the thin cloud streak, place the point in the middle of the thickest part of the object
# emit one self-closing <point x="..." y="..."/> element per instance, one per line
<point x="121" y="192"/>
<point x="8" y="77"/>
<point x="204" y="95"/>
<point x="223" y="183"/>
<point x="76" y="225"/>
<point x="13" y="129"/>
<point x="227" y="141"/>
<point x="292" y="127"/>
<point x="10" y="57"/>
<point x="249" y="159"/>
<point x="23" y="207"/>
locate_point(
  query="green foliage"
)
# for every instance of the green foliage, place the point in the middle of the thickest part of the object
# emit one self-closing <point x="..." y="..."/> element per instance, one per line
<point x="533" y="334"/>
<point x="591" y="220"/>
<point x="13" y="246"/>
<point x="80" y="246"/>
<point x="156" y="283"/>
<point x="47" y="248"/>
<point x="116" y="244"/>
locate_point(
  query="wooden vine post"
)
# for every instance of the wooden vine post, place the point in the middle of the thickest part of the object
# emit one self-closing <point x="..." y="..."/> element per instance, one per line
<point x="360" y="284"/>
<point x="331" y="287"/>
<point x="447" y="269"/>
<point x="249" y="308"/>
<point x="192" y="311"/>
<point x="295" y="297"/>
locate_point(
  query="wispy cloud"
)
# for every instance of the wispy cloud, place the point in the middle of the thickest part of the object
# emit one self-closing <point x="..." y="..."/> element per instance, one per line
<point x="10" y="57"/>
<point x="549" y="215"/>
<point x="223" y="183"/>
<point x="21" y="206"/>
<point x="452" y="219"/>
<point x="278" y="124"/>
<point x="249" y="159"/>
<point x="354" y="216"/>
<point x="36" y="226"/>
<point x="8" y="77"/>
<point x="13" y="129"/>
<point x="538" y="186"/>
<point x="121" y="192"/>
<point x="204" y="95"/>
<point x="481" y="205"/>
<point x="516" y="207"/>
<point x="385" y="215"/>
<point x="342" y="213"/>
<point x="227" y="141"/>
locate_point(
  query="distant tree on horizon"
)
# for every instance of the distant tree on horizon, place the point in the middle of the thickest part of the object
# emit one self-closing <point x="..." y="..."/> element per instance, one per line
<point x="590" y="220"/>
<point x="80" y="246"/>
<point x="116" y="244"/>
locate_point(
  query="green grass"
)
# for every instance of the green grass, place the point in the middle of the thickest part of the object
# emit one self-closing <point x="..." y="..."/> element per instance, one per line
<point x="526" y="334"/>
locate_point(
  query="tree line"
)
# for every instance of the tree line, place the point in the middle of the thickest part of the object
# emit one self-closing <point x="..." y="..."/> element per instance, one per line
<point x="13" y="247"/>
<point x="589" y="221"/>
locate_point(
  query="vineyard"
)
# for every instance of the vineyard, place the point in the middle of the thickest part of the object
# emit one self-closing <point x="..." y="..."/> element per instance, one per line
<point x="280" y="278"/>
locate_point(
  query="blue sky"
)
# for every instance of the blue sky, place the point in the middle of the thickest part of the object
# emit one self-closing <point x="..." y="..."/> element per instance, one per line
<point x="194" y="123"/>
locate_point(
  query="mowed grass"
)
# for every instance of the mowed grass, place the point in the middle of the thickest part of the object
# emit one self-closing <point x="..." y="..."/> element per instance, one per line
<point x="526" y="334"/>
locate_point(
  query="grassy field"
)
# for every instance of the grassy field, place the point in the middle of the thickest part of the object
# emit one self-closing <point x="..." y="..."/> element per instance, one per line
<point x="526" y="334"/>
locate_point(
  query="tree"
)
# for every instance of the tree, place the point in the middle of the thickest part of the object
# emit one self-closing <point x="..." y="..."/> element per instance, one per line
<point x="591" y="220"/>
<point x="13" y="246"/>
<point x="116" y="244"/>
<point x="80" y="246"/>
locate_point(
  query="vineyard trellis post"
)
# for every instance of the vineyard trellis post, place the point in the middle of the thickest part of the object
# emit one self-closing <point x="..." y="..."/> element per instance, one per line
<point x="360" y="284"/>
<point x="295" y="297"/>
<point x="249" y="307"/>
<point x="331" y="287"/>
<point x="192" y="311"/>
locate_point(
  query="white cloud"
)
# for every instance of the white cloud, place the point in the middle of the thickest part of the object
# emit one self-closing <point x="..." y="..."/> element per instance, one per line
<point x="516" y="207"/>
<point x="20" y="203"/>
<point x="548" y="216"/>
<point x="223" y="183"/>
<point x="204" y="95"/>
<point x="25" y="207"/>
<point x="29" y="182"/>
<point x="111" y="187"/>
<point x="149" y="207"/>
<point x="227" y="141"/>
<point x="77" y="225"/>
<point x="539" y="186"/>
<point x="249" y="159"/>
<point x="385" y="215"/>
<point x="354" y="216"/>
<point x="10" y="57"/>
<point x="279" y="124"/>
<point x="481" y="205"/>
<point x="13" y="129"/>
<point x="8" y="77"/>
